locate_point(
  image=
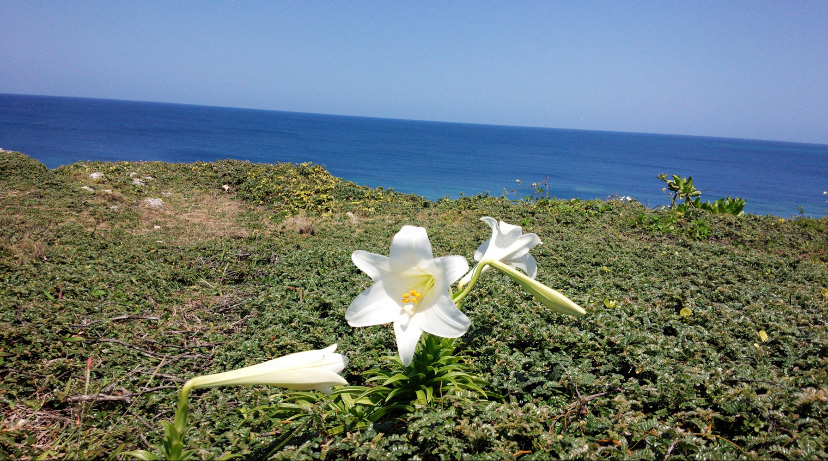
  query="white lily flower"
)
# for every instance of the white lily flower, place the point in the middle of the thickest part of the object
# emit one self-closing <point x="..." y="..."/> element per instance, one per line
<point x="508" y="245"/>
<point x="411" y="289"/>
<point x="317" y="370"/>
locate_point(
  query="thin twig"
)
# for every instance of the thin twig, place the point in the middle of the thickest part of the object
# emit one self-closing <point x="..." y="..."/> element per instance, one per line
<point x="142" y="420"/>
<point x="23" y="372"/>
<point x="134" y="317"/>
<point x="125" y="397"/>
<point x="168" y="358"/>
<point x="86" y="324"/>
<point x="197" y="346"/>
<point x="171" y="377"/>
<point x="144" y="439"/>
<point x="152" y="376"/>
<point x="670" y="450"/>
<point x="147" y="390"/>
<point x="132" y="346"/>
<point x="699" y="434"/>
<point x="100" y="398"/>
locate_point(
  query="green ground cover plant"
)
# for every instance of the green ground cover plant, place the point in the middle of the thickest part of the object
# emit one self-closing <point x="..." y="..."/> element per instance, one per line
<point x="705" y="335"/>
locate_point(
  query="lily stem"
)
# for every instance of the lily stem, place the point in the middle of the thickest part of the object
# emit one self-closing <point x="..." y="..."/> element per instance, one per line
<point x="465" y="290"/>
<point x="183" y="407"/>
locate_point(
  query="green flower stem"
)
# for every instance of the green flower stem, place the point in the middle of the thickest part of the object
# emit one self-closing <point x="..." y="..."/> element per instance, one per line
<point x="180" y="421"/>
<point x="464" y="290"/>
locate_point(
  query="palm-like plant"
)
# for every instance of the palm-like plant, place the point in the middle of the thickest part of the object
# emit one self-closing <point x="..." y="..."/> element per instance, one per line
<point x="682" y="188"/>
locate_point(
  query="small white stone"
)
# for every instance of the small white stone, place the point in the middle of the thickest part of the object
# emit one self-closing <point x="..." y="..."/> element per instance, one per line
<point x="113" y="207"/>
<point x="133" y="174"/>
<point x="137" y="182"/>
<point x="87" y="189"/>
<point x="156" y="227"/>
<point x="153" y="202"/>
<point x="148" y="178"/>
<point x="96" y="175"/>
<point x="226" y="187"/>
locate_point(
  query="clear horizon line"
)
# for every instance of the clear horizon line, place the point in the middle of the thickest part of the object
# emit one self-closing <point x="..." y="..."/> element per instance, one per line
<point x="423" y="120"/>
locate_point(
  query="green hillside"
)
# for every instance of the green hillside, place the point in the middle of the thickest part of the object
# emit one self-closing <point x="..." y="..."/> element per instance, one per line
<point x="705" y="335"/>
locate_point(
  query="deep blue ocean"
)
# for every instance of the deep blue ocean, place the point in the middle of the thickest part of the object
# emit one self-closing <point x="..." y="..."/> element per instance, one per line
<point x="432" y="159"/>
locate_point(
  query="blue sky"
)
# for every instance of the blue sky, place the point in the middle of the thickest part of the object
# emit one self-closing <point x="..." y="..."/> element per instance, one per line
<point x="744" y="69"/>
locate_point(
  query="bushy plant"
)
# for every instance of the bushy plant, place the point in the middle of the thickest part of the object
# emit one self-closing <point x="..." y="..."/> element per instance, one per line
<point x="731" y="206"/>
<point x="683" y="189"/>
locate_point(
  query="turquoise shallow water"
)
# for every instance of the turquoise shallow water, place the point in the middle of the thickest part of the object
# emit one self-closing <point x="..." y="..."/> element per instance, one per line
<point x="432" y="159"/>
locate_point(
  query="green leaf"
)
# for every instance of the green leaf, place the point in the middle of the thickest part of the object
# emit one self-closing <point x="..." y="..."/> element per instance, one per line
<point x="74" y="339"/>
<point x="141" y="454"/>
<point x="394" y="379"/>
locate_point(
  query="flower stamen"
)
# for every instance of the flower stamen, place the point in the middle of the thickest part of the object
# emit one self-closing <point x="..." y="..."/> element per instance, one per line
<point x="412" y="296"/>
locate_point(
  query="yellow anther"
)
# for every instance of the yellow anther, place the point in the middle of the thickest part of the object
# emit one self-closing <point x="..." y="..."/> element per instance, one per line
<point x="412" y="296"/>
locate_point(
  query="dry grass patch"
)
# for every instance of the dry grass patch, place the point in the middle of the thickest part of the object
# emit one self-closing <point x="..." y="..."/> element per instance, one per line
<point x="301" y="224"/>
<point x="43" y="427"/>
<point x="26" y="248"/>
<point x="196" y="217"/>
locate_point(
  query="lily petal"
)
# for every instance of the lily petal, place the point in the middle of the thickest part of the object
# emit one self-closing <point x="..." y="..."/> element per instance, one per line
<point x="527" y="263"/>
<point x="407" y="338"/>
<point x="509" y="245"/>
<point x="373" y="306"/>
<point x="372" y="264"/>
<point x="307" y="370"/>
<point x="492" y="222"/>
<point x="452" y="266"/>
<point x="444" y="319"/>
<point x="521" y="245"/>
<point x="508" y="231"/>
<point x="410" y="248"/>
<point x="482" y="250"/>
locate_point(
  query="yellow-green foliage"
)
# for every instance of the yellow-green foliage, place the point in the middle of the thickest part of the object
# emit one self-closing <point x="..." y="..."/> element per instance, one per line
<point x="304" y="187"/>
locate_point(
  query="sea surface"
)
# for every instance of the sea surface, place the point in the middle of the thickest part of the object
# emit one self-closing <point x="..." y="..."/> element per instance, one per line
<point x="432" y="159"/>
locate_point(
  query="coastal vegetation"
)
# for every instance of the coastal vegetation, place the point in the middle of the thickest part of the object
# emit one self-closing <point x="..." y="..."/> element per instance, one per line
<point x="683" y="188"/>
<point x="704" y="335"/>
